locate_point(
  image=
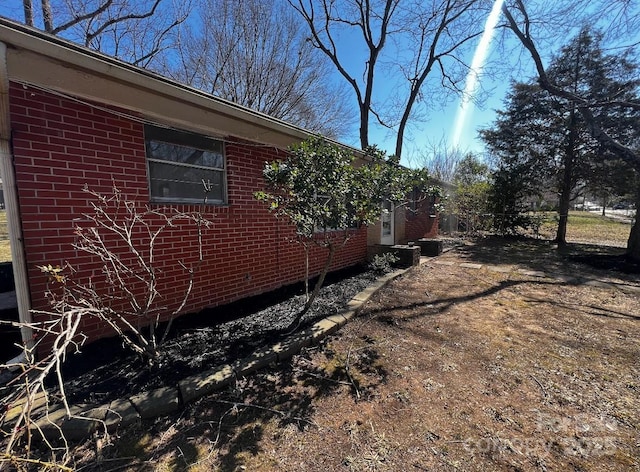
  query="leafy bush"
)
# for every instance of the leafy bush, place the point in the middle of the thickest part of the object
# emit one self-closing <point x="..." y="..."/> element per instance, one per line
<point x="328" y="197"/>
<point x="383" y="263"/>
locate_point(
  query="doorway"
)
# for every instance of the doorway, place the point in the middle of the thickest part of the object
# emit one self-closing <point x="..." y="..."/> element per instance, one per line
<point x="387" y="235"/>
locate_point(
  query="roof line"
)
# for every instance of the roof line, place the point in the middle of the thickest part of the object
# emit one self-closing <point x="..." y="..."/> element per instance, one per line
<point x="38" y="41"/>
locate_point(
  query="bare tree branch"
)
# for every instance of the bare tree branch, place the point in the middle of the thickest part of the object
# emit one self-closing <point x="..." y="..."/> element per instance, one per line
<point x="47" y="16"/>
<point x="78" y="19"/>
<point x="120" y="19"/>
<point x="257" y="54"/>
<point x="136" y="32"/>
<point x="367" y="22"/>
<point x="447" y="18"/>
<point x="27" y="6"/>
<point x="583" y="105"/>
<point x="413" y="36"/>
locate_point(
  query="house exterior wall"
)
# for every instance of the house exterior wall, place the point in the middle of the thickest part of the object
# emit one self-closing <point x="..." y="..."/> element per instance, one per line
<point x="410" y="225"/>
<point x="400" y="220"/>
<point x="421" y="222"/>
<point x="60" y="145"/>
<point x="374" y="233"/>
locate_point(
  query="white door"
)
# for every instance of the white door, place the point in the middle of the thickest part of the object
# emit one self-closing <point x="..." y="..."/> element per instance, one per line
<point x="387" y="236"/>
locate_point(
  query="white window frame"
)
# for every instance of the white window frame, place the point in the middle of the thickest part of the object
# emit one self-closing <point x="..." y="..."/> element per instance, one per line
<point x="184" y="139"/>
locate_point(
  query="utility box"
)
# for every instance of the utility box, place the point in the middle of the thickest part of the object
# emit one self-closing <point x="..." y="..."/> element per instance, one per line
<point x="430" y="247"/>
<point x="408" y="255"/>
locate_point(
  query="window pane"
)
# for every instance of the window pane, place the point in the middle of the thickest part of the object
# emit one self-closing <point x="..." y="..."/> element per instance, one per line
<point x="183" y="154"/>
<point x="184" y="166"/>
<point x="169" y="181"/>
<point x="182" y="138"/>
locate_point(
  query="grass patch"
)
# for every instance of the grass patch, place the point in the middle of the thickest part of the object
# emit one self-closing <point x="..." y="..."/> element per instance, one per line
<point x="588" y="227"/>
<point x="581" y="218"/>
<point x="584" y="226"/>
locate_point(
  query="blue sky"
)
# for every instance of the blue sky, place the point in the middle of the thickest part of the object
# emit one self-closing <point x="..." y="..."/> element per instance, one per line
<point x="439" y="125"/>
<point x="432" y="126"/>
<point x="436" y="127"/>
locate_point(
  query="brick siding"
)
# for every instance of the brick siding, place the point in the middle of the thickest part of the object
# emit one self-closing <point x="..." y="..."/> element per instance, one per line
<point x="421" y="222"/>
<point x="61" y="145"/>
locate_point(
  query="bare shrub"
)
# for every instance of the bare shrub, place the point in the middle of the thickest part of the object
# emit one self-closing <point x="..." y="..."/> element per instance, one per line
<point x="27" y="402"/>
<point x="122" y="236"/>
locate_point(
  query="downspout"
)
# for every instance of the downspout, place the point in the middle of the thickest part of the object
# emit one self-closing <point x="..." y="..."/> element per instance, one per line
<point x="7" y="172"/>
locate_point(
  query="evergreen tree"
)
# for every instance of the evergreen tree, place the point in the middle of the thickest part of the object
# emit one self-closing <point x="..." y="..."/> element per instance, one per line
<point x="545" y="139"/>
<point x="522" y="143"/>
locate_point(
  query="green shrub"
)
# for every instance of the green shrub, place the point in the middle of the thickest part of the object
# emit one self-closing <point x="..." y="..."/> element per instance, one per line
<point x="383" y="263"/>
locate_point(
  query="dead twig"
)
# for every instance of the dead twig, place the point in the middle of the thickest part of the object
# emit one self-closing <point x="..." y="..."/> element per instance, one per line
<point x="29" y="394"/>
<point x="323" y="377"/>
<point x="264" y="408"/>
<point x="8" y="458"/>
<point x="544" y="392"/>
<point x="347" y="371"/>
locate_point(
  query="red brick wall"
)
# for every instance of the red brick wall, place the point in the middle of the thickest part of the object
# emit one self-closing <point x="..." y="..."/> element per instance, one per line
<point x="422" y="222"/>
<point x="60" y="145"/>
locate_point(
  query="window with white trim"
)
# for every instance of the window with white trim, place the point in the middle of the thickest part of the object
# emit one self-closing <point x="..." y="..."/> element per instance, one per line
<point x="184" y="167"/>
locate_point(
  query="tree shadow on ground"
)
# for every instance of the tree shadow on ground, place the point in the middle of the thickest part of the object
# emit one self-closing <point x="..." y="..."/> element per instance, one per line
<point x="592" y="310"/>
<point x="399" y="314"/>
<point x="545" y="255"/>
<point x="437" y="306"/>
<point x="221" y="431"/>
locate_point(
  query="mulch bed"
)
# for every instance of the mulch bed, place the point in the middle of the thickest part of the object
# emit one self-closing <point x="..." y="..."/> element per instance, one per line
<point x="106" y="370"/>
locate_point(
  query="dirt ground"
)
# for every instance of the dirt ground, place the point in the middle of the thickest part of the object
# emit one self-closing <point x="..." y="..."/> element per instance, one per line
<point x="450" y="367"/>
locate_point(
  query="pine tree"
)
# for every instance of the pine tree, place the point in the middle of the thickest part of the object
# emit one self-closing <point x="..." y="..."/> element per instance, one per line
<point x="547" y="136"/>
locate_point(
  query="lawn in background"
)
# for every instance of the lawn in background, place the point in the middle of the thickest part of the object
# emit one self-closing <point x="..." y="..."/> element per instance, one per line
<point x="585" y="227"/>
<point x="5" y="248"/>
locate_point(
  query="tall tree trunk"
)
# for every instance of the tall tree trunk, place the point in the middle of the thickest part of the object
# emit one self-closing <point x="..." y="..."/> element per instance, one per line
<point x="567" y="180"/>
<point x="569" y="160"/>
<point x="633" y="244"/>
<point x="47" y="16"/>
<point x="28" y="12"/>
<point x="364" y="126"/>
<point x="563" y="212"/>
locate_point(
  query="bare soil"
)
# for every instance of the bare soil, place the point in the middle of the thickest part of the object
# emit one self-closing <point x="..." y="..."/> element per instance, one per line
<point x="450" y="367"/>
